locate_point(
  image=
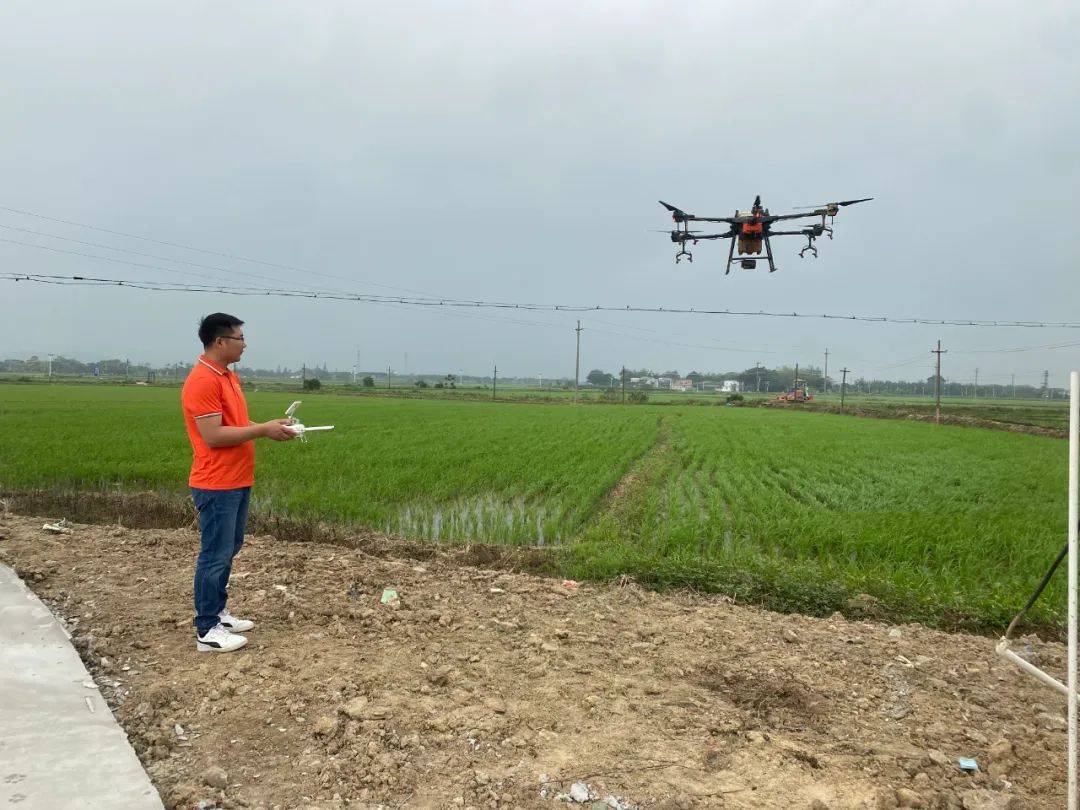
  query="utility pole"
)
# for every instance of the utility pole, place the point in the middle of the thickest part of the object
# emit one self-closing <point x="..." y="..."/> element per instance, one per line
<point x="1014" y="386"/>
<point x="494" y="377"/>
<point x="795" y="385"/>
<point x="356" y="367"/>
<point x="577" y="361"/>
<point x="825" y="382"/>
<point x="757" y="373"/>
<point x="388" y="377"/>
<point x="303" y="375"/>
<point x="976" y="382"/>
<point x="1046" y="385"/>
<point x="843" y="386"/>
<point x="937" y="383"/>
<point x="50" y="366"/>
<point x="623" y="374"/>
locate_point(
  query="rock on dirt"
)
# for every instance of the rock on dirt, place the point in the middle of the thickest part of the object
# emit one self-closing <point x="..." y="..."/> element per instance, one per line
<point x="1051" y="722"/>
<point x="579" y="792"/>
<point x="216" y="777"/>
<point x="905" y="797"/>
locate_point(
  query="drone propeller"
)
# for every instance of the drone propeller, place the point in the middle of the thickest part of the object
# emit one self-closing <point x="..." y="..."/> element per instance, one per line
<point x="677" y="213"/>
<point x="668" y="230"/>
<point x="829" y="204"/>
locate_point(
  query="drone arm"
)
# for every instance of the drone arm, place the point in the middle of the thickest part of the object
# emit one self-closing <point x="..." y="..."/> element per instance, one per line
<point x="779" y="217"/>
<point x="691" y="236"/>
<point x="728" y="220"/>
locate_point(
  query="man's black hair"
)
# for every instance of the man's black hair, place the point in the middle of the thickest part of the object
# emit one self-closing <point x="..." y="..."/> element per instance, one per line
<point x="216" y="325"/>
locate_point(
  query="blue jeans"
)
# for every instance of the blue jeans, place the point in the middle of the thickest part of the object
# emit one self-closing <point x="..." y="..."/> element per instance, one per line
<point x="222" y="518"/>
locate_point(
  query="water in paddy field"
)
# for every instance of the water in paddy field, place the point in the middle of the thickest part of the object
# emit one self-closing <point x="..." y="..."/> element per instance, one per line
<point x="485" y="518"/>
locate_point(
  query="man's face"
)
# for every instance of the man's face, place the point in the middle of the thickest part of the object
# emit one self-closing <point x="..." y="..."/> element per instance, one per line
<point x="232" y="345"/>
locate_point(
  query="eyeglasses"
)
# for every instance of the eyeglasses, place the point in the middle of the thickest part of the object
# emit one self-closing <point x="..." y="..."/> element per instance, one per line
<point x="230" y="337"/>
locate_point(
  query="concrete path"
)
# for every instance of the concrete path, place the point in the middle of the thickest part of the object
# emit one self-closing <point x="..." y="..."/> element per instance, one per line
<point x="60" y="746"/>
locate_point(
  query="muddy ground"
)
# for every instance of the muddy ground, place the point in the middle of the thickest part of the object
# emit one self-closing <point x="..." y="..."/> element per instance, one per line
<point x="488" y="688"/>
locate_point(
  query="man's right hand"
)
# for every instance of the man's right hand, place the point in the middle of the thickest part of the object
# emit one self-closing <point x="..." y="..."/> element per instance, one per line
<point x="278" y="430"/>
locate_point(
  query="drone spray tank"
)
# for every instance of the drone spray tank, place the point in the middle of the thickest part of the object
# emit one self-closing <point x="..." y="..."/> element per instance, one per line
<point x="299" y="429"/>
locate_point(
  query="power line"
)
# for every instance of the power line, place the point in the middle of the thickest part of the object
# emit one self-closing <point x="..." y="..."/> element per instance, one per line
<point x="908" y="362"/>
<point x="683" y="334"/>
<point x="559" y="326"/>
<point x="248" y="275"/>
<point x="182" y="246"/>
<point x="321" y="293"/>
<point x="1050" y="346"/>
<point x="529" y="307"/>
<point x="130" y="253"/>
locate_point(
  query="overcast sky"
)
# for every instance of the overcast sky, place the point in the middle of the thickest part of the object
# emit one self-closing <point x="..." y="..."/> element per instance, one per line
<point x="516" y="152"/>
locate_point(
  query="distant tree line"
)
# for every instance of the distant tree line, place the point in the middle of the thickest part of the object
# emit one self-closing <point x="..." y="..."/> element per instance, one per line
<point x="755" y="378"/>
<point x="772" y="380"/>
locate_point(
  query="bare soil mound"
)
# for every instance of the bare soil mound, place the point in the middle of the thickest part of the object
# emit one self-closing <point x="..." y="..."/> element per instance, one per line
<point x="486" y="688"/>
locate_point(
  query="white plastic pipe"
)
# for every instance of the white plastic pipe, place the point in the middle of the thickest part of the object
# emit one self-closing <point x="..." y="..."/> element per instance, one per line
<point x="1003" y="650"/>
<point x="1074" y="483"/>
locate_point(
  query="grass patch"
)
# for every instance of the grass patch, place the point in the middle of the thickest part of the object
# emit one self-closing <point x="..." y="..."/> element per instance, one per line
<point x="797" y="510"/>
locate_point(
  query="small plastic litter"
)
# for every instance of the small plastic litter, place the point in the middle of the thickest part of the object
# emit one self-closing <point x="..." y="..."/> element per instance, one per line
<point x="967" y="764"/>
<point x="389" y="597"/>
<point x="571" y="584"/>
<point x="60" y="527"/>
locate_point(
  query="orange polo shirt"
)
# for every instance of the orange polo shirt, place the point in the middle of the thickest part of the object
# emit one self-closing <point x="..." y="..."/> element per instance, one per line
<point x="208" y="390"/>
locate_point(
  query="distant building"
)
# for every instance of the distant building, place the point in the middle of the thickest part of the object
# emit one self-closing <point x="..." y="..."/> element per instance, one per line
<point x="730" y="387"/>
<point x="682" y="385"/>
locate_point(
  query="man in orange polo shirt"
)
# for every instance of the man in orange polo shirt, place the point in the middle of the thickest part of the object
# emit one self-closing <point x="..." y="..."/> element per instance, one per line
<point x="222" y="472"/>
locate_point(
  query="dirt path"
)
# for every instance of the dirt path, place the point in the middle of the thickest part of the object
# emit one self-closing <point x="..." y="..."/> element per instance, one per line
<point x="492" y="689"/>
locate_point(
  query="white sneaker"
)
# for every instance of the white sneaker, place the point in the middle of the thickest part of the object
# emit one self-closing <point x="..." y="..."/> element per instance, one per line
<point x="218" y="639"/>
<point x="233" y="624"/>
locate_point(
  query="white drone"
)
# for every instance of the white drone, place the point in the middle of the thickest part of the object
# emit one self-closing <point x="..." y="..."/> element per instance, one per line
<point x="299" y="429"/>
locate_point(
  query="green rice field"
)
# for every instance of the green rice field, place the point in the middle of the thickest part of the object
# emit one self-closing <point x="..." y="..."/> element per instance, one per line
<point x="793" y="509"/>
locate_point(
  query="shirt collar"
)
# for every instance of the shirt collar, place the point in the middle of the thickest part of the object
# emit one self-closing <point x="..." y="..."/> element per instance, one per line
<point x="212" y="366"/>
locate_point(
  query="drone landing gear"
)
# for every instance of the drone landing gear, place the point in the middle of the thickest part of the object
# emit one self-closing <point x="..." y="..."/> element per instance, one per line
<point x="681" y="237"/>
<point x="750" y="262"/>
<point x="809" y="246"/>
